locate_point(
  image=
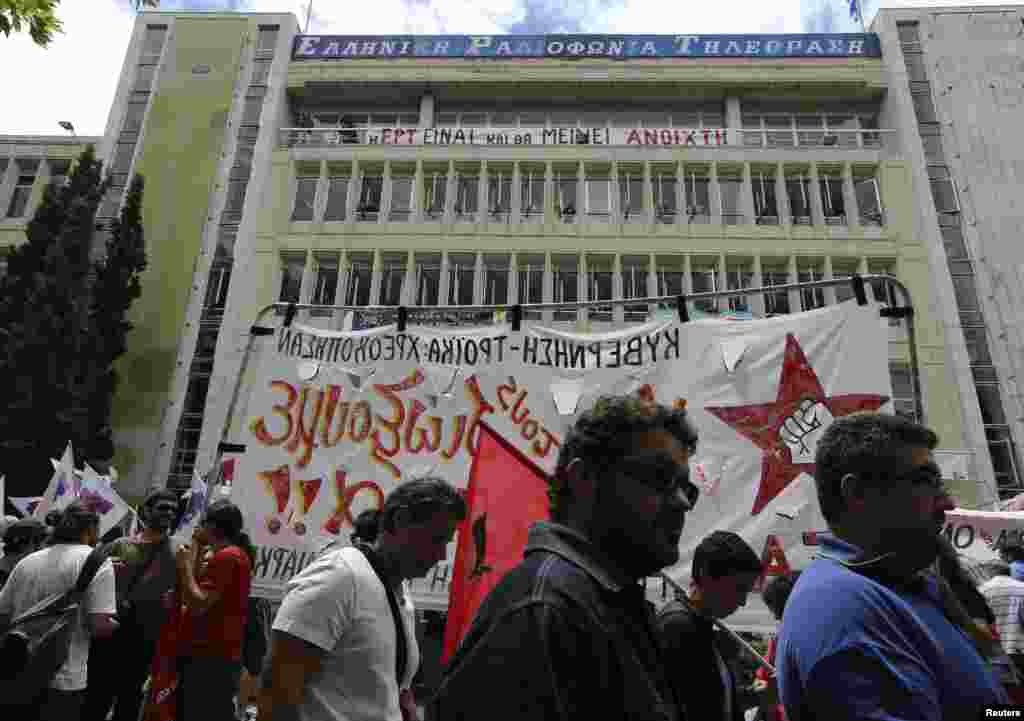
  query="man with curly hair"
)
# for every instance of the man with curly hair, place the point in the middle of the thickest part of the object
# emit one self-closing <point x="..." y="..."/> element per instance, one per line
<point x="568" y="634"/>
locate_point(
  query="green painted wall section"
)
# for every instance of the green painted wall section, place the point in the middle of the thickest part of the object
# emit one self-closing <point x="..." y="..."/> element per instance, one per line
<point x="183" y="140"/>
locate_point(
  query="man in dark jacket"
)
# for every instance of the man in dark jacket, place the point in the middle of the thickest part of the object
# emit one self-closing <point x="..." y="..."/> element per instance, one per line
<point x="567" y="634"/>
<point x="724" y="572"/>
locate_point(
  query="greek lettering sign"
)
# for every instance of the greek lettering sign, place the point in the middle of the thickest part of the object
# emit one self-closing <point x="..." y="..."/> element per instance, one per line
<point x="616" y="47"/>
<point x="333" y="421"/>
<point x="702" y="137"/>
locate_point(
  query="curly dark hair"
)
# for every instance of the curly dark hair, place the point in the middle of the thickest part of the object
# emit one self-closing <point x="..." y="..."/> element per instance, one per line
<point x="605" y="433"/>
<point x="70" y="523"/>
<point x="724" y="553"/>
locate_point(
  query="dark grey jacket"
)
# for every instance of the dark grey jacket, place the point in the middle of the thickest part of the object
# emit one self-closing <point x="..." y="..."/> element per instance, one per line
<point x="560" y="638"/>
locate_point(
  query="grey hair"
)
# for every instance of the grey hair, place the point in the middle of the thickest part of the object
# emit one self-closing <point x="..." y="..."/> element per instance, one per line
<point x="422" y="498"/>
<point x="867" y="445"/>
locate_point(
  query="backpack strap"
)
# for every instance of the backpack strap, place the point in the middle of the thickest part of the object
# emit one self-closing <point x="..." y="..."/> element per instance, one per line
<point x="88" y="573"/>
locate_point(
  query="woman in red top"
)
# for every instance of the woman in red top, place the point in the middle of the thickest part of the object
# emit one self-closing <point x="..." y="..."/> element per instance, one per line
<point x="775" y="595"/>
<point x="216" y="599"/>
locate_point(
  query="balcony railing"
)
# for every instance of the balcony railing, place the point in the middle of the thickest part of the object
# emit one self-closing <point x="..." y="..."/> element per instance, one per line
<point x="615" y="137"/>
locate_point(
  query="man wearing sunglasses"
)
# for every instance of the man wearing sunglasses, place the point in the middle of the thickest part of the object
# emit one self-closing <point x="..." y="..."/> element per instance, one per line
<point x="864" y="634"/>
<point x="568" y="634"/>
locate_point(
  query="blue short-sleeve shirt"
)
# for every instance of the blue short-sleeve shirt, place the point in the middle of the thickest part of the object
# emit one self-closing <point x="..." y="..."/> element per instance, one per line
<point x="852" y="648"/>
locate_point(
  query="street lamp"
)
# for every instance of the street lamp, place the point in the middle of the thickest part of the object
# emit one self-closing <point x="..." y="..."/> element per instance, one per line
<point x="67" y="126"/>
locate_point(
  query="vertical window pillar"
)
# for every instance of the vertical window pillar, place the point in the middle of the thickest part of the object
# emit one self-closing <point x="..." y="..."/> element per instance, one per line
<point x="791" y="277"/>
<point x="648" y="186"/>
<point x="757" y="299"/>
<point x="445" y="283"/>
<point x="482" y="200"/>
<point x="781" y="197"/>
<point x="517" y="194"/>
<point x="747" y="196"/>
<point x="375" y="276"/>
<point x="829" y="291"/>
<point x="354" y="192"/>
<point x="814" y="196"/>
<point x="715" y="195"/>
<point x="385" y="195"/>
<point x="418" y="198"/>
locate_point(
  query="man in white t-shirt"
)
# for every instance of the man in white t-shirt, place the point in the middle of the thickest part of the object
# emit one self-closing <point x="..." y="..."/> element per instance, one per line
<point x="335" y="654"/>
<point x="1005" y="596"/>
<point x="53" y="571"/>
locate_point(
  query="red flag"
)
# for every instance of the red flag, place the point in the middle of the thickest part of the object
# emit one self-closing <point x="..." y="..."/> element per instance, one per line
<point x="506" y="494"/>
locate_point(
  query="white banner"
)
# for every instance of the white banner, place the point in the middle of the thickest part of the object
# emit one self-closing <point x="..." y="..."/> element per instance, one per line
<point x="695" y="137"/>
<point x="333" y="421"/>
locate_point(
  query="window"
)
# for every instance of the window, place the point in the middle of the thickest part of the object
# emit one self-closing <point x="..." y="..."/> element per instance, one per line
<point x="499" y="195"/>
<point x="869" y="123"/>
<point x="882" y="290"/>
<point x="830" y="187"/>
<point x="776" y="303"/>
<point x="260" y="71"/>
<point x="530" y="271"/>
<point x="600" y="285"/>
<point x="992" y="413"/>
<point x="844" y="291"/>
<point x="631" y="196"/>
<point x="292" y="267"/>
<point x="902" y="390"/>
<point x="251" y="109"/>
<point x="766" y="207"/>
<point x="738" y="278"/>
<point x="696" y="188"/>
<point x="428" y="279"/>
<point x="953" y="239"/>
<point x="401" y="197"/>
<point x="435" y="186"/>
<point x="977" y="346"/>
<point x="467" y="190"/>
<point x="305" y="197"/>
<point x="810" y="130"/>
<point x="915" y="67"/>
<point x="908" y="32"/>
<point x="779" y="131"/>
<point x="634" y="285"/>
<point x="360" y="276"/>
<point x="337" y="198"/>
<point x="924" y="107"/>
<point x="392" y="278"/>
<point x="23" y="187"/>
<point x="144" y="78"/>
<point x="326" y="288"/>
<point x="670" y="275"/>
<point x="496" y="269"/>
<point x="966" y="293"/>
<point x="531" y="195"/>
<point x="234" y="201"/>
<point x="461" y="274"/>
<point x="704" y="279"/>
<point x="369" y="198"/>
<point x="731" y="188"/>
<point x="153" y="43"/>
<point x="664" y="187"/>
<point x="811" y="298"/>
<point x="241" y="168"/>
<point x="59" y="170"/>
<point x="566" y="200"/>
<point x="598" y="196"/>
<point x="842" y="131"/>
<point x="133" y="117"/>
<point x="869" y="202"/>
<point x="931" y="139"/>
<point x="566" y="278"/>
<point x="943" y="189"/>
<point x="798" y="194"/>
<point x="217" y="286"/>
<point x="1004" y="460"/>
<point x="266" y="40"/>
<point x="753" y="135"/>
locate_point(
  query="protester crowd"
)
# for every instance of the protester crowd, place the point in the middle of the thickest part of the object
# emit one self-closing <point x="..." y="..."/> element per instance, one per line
<point x="884" y="623"/>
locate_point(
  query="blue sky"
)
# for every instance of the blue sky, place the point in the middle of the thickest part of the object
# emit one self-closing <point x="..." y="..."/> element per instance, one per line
<point x="75" y="78"/>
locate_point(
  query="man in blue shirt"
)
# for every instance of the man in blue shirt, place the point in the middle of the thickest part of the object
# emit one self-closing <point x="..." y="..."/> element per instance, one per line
<point x="864" y="635"/>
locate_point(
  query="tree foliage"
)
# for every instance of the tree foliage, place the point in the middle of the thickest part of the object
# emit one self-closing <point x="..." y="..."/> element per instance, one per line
<point x="63" y="323"/>
<point x="39" y="17"/>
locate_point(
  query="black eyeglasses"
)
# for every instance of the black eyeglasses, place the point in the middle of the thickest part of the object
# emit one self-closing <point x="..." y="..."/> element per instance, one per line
<point x="667" y="479"/>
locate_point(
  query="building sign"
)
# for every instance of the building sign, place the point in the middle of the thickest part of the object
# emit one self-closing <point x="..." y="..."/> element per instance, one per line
<point x="542" y="136"/>
<point x="620" y="47"/>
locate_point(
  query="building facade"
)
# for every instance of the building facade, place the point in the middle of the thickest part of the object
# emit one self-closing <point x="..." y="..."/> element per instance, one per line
<point x="486" y="170"/>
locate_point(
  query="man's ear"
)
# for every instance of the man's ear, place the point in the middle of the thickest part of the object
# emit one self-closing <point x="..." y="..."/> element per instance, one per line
<point x="581" y="483"/>
<point x="854" y="492"/>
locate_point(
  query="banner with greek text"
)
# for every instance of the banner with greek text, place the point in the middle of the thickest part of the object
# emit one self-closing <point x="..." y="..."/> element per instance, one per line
<point x="332" y="421"/>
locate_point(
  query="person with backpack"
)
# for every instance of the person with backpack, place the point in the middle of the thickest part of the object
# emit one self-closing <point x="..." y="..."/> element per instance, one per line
<point x="216" y="599"/>
<point x="145" y="573"/>
<point x="48" y="574"/>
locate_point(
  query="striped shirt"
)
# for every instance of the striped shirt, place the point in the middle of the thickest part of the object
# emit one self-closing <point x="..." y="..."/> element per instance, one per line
<point x="1005" y="597"/>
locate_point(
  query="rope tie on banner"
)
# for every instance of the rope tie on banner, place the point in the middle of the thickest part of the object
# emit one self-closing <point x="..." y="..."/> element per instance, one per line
<point x="289" y="314"/>
<point x="517" y="318"/>
<point x="403" y="318"/>
<point x="858" y="289"/>
<point x="684" y="312"/>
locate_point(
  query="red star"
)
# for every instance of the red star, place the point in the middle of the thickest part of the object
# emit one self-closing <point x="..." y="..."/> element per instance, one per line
<point x="761" y="422"/>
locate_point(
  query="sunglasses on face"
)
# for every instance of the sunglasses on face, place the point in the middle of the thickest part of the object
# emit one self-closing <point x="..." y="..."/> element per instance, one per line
<point x="665" y="478"/>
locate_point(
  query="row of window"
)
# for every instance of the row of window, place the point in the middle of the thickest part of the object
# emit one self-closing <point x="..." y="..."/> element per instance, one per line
<point x="24" y="172"/>
<point x="466" y="278"/>
<point x="689" y="118"/>
<point x="589" y="193"/>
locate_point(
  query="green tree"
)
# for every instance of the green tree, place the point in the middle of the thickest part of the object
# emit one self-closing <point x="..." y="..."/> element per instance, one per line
<point x="39" y="17"/>
<point x="116" y="288"/>
<point x="63" y="324"/>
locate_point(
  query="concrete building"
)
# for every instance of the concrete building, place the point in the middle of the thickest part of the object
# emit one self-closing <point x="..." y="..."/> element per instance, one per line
<point x="452" y="171"/>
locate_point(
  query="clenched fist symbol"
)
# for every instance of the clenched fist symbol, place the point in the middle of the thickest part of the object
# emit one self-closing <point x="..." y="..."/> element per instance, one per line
<point x="802" y="430"/>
